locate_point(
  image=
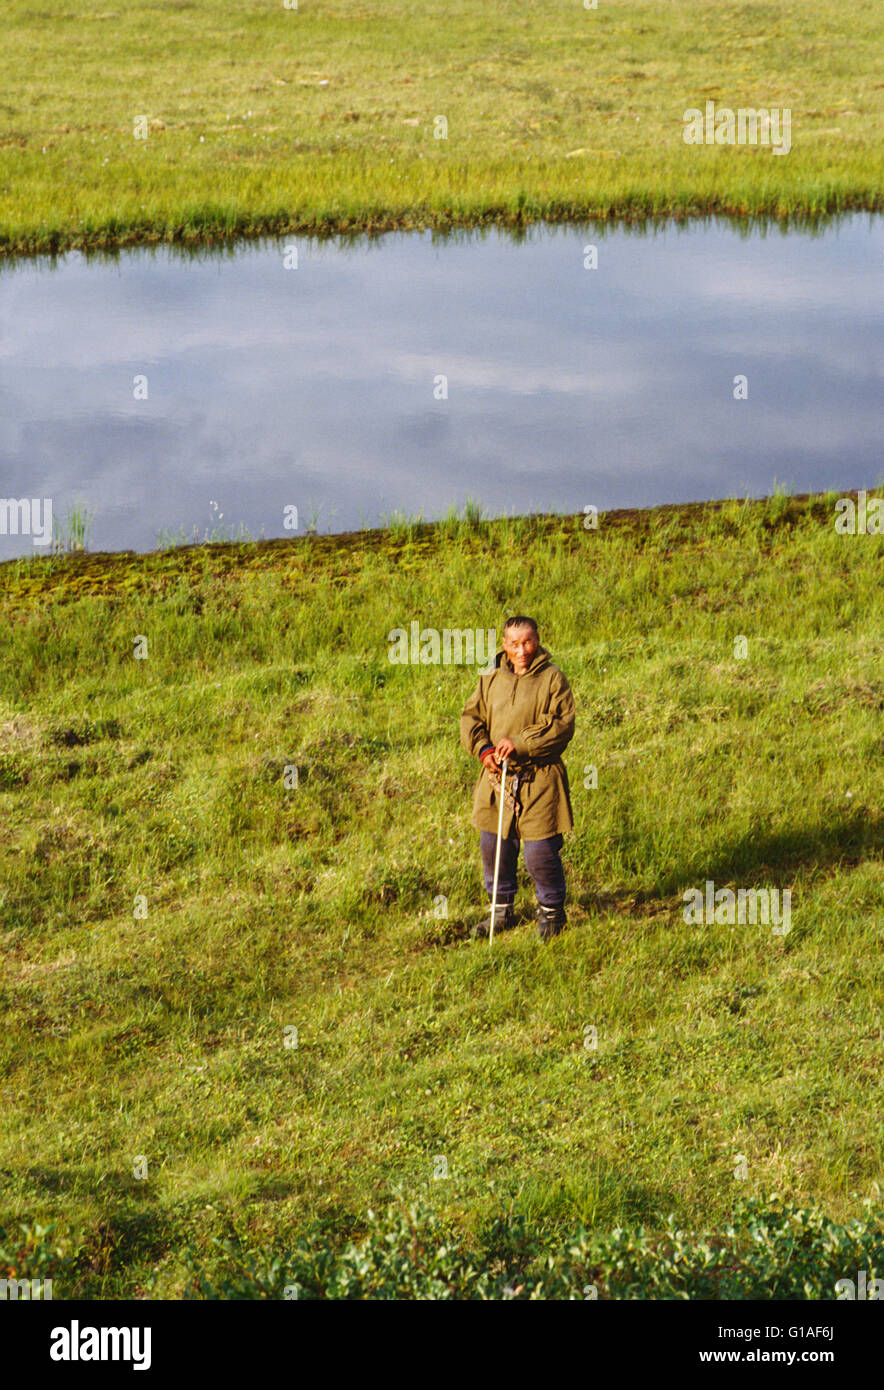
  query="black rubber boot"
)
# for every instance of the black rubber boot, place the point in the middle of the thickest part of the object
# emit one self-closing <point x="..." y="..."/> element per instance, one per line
<point x="504" y="919"/>
<point x="550" y="921"/>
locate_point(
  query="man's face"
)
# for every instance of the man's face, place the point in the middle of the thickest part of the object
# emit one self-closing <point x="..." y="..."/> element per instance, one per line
<point x="520" y="645"/>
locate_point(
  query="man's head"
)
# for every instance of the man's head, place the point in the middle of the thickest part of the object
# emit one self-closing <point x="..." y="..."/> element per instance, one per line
<point x="520" y="642"/>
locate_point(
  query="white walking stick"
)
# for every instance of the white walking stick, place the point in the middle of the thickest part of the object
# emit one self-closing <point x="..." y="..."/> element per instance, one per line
<point x="497" y="852"/>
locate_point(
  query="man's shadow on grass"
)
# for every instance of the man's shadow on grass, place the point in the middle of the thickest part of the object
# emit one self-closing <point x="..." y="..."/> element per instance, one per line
<point x="758" y="860"/>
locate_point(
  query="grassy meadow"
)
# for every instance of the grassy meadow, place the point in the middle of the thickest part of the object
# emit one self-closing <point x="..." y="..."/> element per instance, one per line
<point x="323" y="118"/>
<point x="170" y="912"/>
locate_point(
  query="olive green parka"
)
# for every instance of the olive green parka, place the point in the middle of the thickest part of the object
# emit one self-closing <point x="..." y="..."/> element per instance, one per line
<point x="536" y="711"/>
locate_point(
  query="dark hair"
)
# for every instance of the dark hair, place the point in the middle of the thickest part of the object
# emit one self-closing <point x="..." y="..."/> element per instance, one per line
<point x="520" y="621"/>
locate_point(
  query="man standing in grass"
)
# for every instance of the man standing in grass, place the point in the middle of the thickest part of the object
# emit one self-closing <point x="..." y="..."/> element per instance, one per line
<point x="522" y="711"/>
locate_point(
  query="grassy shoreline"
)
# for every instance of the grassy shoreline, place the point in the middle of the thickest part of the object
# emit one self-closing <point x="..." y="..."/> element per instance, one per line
<point x="79" y="572"/>
<point x="163" y="1035"/>
<point x="215" y="225"/>
<point x="260" y="120"/>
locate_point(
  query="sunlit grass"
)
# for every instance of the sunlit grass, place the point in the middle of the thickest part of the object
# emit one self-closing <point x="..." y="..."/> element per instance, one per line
<point x="259" y="118"/>
<point x="169" y="908"/>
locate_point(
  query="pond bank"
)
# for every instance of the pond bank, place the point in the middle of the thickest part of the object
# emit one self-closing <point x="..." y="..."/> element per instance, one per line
<point x="120" y="573"/>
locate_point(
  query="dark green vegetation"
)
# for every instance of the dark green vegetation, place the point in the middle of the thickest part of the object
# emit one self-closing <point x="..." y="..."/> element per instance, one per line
<point x="131" y="786"/>
<point x="774" y="1250"/>
<point x="257" y="118"/>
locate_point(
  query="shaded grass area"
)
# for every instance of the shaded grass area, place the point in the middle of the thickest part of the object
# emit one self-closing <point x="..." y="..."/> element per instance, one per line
<point x="170" y="911"/>
<point x="197" y="122"/>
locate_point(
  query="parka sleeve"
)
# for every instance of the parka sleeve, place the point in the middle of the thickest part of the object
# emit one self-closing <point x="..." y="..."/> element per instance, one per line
<point x="551" y="737"/>
<point x="473" y="722"/>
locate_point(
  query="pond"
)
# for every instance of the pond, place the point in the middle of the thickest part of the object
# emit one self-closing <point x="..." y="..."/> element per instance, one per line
<point x="565" y="368"/>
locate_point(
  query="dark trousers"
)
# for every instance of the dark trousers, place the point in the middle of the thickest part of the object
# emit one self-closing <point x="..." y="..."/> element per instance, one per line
<point x="541" y="860"/>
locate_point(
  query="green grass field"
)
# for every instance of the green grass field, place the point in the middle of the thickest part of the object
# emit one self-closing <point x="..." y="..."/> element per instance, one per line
<point x="170" y="909"/>
<point x="261" y="118"/>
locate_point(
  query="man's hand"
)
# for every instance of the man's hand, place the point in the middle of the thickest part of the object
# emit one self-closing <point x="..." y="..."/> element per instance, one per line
<point x="488" y="759"/>
<point x="504" y="749"/>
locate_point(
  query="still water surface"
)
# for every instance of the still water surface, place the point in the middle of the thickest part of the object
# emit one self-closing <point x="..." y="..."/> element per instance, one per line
<point x="319" y="386"/>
